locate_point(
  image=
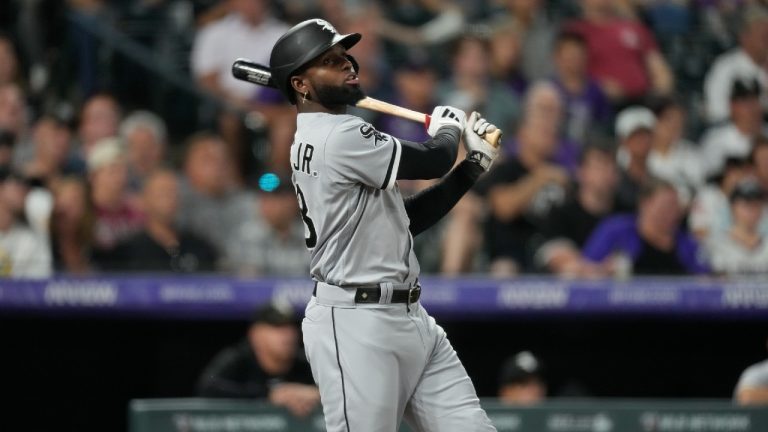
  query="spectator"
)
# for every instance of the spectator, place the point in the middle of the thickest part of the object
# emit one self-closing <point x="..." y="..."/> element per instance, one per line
<point x="212" y="205"/>
<point x="268" y="364"/>
<point x="672" y="157"/>
<point x="742" y="249"/>
<point x="520" y="192"/>
<point x="160" y="246"/>
<point x="117" y="215"/>
<point x="586" y="107"/>
<point x="52" y="151"/>
<point x="735" y="137"/>
<point x="419" y="25"/>
<point x="752" y="387"/>
<point x="471" y="88"/>
<point x="506" y="57"/>
<point x="746" y="62"/>
<point x="72" y="226"/>
<point x="144" y="135"/>
<point x="710" y="212"/>
<point x="649" y="242"/>
<point x="521" y="381"/>
<point x="544" y="115"/>
<point x="569" y="225"/>
<point x="415" y="84"/>
<point x="634" y="129"/>
<point x="249" y="30"/>
<point x="23" y="252"/>
<point x="537" y="34"/>
<point x="99" y="119"/>
<point x="272" y="243"/>
<point x="623" y="55"/>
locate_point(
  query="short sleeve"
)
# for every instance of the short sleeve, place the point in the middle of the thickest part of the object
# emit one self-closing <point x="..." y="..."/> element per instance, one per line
<point x="206" y="51"/>
<point x="360" y="153"/>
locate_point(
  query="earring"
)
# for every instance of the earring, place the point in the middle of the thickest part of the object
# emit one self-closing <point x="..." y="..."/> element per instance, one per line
<point x="304" y="98"/>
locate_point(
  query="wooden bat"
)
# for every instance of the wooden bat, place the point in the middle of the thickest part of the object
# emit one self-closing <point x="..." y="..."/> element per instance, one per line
<point x="255" y="73"/>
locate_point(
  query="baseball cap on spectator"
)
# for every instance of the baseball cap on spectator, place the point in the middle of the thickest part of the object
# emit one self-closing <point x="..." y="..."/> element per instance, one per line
<point x="747" y="190"/>
<point x="520" y="368"/>
<point x="632" y="119"/>
<point x="106" y="151"/>
<point x="745" y="89"/>
<point x="274" y="314"/>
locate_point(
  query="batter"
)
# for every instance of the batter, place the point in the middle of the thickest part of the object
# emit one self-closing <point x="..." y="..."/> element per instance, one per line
<point x="376" y="354"/>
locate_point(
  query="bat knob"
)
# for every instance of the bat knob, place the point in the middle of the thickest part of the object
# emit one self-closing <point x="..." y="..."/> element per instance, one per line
<point x="494" y="138"/>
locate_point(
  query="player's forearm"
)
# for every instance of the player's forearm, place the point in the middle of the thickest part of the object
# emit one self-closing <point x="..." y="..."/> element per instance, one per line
<point x="430" y="159"/>
<point x="430" y="205"/>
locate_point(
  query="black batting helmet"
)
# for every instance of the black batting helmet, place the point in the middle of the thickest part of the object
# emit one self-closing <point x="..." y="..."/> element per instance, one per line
<point x="299" y="45"/>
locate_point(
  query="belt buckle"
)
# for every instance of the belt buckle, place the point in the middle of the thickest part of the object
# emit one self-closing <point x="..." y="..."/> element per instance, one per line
<point x="413" y="291"/>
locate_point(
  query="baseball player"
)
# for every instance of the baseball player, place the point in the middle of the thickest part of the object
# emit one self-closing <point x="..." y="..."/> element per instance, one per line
<point x="376" y="355"/>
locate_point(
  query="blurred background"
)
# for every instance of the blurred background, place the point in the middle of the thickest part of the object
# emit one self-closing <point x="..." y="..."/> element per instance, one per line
<point x="617" y="249"/>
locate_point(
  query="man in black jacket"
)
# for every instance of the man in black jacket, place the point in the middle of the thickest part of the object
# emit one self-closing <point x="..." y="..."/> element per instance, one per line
<point x="267" y="364"/>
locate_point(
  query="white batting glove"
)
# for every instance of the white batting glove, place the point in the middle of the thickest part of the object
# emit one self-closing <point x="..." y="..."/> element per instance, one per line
<point x="446" y="116"/>
<point x="479" y="150"/>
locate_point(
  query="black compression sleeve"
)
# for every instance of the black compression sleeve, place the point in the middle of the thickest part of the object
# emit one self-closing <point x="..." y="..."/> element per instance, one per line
<point x="428" y="206"/>
<point x="431" y="159"/>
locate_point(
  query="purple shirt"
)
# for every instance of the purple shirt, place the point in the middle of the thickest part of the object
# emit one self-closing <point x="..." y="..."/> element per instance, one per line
<point x="583" y="110"/>
<point x="620" y="234"/>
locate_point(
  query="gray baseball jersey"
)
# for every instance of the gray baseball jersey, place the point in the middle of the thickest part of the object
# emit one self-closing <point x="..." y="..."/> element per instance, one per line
<point x="356" y="226"/>
<point x="375" y="364"/>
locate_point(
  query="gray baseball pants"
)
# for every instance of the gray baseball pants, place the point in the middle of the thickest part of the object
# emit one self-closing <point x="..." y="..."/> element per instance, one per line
<point x="379" y="364"/>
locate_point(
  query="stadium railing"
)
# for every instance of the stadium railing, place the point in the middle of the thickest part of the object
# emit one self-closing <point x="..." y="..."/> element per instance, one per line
<point x="594" y="415"/>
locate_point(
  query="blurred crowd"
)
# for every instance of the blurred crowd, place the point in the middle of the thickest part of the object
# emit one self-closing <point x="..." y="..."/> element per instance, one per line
<point x="636" y="133"/>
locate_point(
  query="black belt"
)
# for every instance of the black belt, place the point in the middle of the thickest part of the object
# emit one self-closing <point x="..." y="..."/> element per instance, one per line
<point x="372" y="294"/>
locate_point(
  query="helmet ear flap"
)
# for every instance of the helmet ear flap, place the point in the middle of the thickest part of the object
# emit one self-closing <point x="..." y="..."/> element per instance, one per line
<point x="355" y="64"/>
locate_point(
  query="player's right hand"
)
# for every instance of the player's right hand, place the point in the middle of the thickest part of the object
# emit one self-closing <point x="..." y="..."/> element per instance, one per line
<point x="446" y="116"/>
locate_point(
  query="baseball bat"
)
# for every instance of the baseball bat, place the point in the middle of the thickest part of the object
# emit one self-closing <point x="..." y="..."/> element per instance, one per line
<point x="246" y="70"/>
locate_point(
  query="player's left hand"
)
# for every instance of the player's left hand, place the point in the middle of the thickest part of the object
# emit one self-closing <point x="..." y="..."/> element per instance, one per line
<point x="479" y="150"/>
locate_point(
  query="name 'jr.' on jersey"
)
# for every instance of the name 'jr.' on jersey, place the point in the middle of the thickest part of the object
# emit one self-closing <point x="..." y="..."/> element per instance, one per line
<point x="356" y="226"/>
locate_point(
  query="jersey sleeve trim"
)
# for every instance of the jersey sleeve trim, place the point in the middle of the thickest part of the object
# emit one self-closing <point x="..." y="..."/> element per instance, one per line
<point x="394" y="163"/>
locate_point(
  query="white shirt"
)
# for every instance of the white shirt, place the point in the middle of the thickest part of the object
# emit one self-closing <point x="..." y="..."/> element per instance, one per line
<point x="219" y="44"/>
<point x="721" y="142"/>
<point x="711" y="212"/>
<point x="24" y="254"/>
<point x="730" y="257"/>
<point x="732" y="65"/>
<point x="682" y="165"/>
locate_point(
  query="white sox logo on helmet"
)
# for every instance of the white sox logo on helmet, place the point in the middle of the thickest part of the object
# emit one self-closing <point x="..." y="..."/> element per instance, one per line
<point x="326" y="25"/>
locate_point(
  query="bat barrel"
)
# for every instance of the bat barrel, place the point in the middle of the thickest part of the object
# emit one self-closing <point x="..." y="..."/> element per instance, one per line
<point x="246" y="70"/>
